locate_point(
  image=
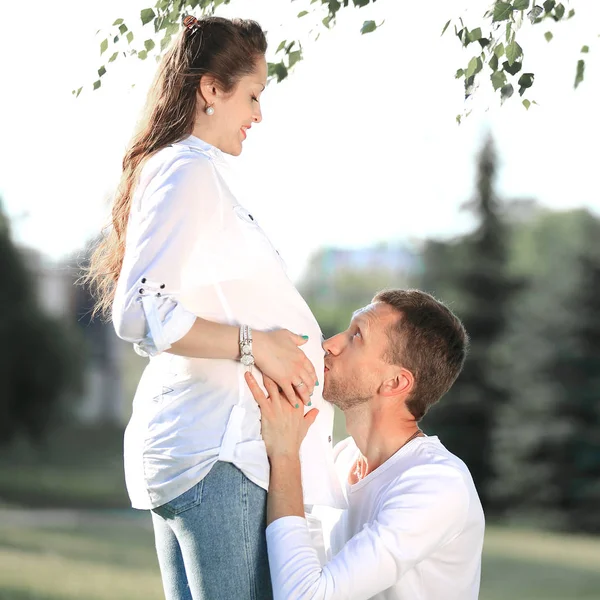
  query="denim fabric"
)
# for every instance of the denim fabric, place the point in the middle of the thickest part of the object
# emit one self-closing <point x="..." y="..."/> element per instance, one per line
<point x="211" y="541"/>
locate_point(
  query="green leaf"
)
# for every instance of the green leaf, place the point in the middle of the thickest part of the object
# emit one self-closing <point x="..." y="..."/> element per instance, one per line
<point x="585" y="49"/>
<point x="458" y="119"/>
<point x="512" y="69"/>
<point x="459" y="73"/>
<point x="326" y="21"/>
<point x="361" y="3"/>
<point x="446" y="26"/>
<point x="499" y="50"/>
<point x="502" y="11"/>
<point x="302" y="14"/>
<point x="368" y="27"/>
<point x="535" y="13"/>
<point x="513" y="51"/>
<point x="549" y="5"/>
<point x="130" y="37"/>
<point x="525" y="82"/>
<point x="101" y="71"/>
<point x="149" y="45"/>
<point x="147" y="14"/>
<point x="474" y="67"/>
<point x="493" y="63"/>
<point x="526" y="104"/>
<point x="142" y="54"/>
<point x="117" y="22"/>
<point x="559" y="12"/>
<point x="113" y="57"/>
<point x="474" y="35"/>
<point x="498" y="79"/>
<point x="548" y="35"/>
<point x="115" y="39"/>
<point x="103" y="46"/>
<point x="294" y="57"/>
<point x="97" y="84"/>
<point x="77" y="92"/>
<point x="506" y="92"/>
<point x="281" y="46"/>
<point x="521" y="4"/>
<point x="571" y="14"/>
<point x="579" y="73"/>
<point x="278" y="70"/>
<point x="122" y="29"/>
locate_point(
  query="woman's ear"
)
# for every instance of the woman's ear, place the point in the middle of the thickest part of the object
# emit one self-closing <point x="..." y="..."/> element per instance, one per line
<point x="208" y="89"/>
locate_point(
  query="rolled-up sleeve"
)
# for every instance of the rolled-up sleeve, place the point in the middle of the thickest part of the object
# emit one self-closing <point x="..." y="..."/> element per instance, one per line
<point x="177" y="201"/>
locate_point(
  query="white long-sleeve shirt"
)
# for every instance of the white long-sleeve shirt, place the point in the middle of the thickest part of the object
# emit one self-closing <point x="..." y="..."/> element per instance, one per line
<point x="413" y="530"/>
<point x="193" y="251"/>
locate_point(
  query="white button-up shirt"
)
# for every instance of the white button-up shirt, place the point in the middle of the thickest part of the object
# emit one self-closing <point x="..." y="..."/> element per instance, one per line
<point x="413" y="530"/>
<point x="193" y="250"/>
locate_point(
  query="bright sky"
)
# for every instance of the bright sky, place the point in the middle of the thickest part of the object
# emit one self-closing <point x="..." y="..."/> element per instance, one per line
<point x="360" y="145"/>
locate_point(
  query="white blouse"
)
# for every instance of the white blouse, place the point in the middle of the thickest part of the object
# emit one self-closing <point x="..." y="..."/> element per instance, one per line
<point x="413" y="530"/>
<point x="192" y="250"/>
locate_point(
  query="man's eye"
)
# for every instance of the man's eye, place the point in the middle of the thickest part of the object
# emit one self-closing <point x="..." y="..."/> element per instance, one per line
<point x="255" y="98"/>
<point x="357" y="334"/>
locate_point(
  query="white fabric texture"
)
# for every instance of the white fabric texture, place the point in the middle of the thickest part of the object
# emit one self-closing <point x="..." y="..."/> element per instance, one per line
<point x="413" y="530"/>
<point x="193" y="251"/>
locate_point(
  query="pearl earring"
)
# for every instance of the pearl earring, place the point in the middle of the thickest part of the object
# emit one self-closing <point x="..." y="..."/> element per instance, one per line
<point x="209" y="110"/>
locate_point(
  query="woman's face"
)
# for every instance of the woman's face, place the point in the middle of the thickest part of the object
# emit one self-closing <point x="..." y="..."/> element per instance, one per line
<point x="234" y="113"/>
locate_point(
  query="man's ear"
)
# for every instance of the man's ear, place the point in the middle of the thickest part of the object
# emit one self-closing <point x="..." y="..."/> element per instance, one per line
<point x="402" y="383"/>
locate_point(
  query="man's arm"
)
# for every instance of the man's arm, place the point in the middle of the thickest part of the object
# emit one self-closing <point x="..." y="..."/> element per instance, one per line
<point x="423" y="511"/>
<point x="425" y="508"/>
<point x="285" y="489"/>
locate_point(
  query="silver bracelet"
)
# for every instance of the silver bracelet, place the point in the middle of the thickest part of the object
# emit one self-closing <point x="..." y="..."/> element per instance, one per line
<point x="247" y="358"/>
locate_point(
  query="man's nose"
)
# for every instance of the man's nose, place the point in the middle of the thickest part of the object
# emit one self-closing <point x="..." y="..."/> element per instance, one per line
<point x="333" y="345"/>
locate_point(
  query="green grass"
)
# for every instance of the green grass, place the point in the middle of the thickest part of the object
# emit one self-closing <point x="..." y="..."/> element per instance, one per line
<point x="77" y="467"/>
<point x="112" y="557"/>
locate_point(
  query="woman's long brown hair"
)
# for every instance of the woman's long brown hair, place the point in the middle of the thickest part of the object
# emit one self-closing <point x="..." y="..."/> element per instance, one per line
<point x="228" y="50"/>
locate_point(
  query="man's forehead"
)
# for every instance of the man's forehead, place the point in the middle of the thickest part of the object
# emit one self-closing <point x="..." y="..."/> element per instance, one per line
<point x="372" y="312"/>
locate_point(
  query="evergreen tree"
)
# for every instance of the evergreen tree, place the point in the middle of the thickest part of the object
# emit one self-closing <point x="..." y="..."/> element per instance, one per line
<point x="478" y="270"/>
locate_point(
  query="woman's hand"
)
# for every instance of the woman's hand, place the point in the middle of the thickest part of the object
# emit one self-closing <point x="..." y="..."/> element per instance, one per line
<point x="277" y="355"/>
<point x="283" y="427"/>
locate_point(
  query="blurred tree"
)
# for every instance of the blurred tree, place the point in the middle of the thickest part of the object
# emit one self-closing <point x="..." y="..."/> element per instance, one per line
<point x="548" y="437"/>
<point x="338" y="281"/>
<point x="477" y="268"/>
<point x="494" y="36"/>
<point x="40" y="357"/>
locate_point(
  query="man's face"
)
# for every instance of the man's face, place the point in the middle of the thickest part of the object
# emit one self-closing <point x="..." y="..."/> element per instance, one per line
<point x="354" y="364"/>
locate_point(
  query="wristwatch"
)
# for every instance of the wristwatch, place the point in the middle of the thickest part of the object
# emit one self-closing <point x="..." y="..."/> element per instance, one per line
<point x="247" y="358"/>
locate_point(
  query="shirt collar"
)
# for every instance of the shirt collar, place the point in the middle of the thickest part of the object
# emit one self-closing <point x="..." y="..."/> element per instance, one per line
<point x="195" y="142"/>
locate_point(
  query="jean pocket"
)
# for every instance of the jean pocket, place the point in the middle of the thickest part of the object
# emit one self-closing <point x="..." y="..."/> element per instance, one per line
<point x="183" y="502"/>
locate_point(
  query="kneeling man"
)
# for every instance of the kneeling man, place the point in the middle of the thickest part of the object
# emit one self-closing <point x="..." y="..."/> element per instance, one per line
<point x="414" y="526"/>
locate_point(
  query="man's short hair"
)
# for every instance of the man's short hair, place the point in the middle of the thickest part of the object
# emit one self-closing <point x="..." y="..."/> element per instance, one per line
<point x="429" y="341"/>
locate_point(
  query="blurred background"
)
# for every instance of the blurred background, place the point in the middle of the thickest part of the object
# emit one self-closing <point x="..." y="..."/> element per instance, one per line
<point x="363" y="180"/>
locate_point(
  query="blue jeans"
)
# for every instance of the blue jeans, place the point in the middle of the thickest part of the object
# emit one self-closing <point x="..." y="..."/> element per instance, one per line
<point x="211" y="541"/>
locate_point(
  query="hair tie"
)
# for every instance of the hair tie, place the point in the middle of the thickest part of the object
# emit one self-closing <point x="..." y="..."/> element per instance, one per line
<point x="191" y="23"/>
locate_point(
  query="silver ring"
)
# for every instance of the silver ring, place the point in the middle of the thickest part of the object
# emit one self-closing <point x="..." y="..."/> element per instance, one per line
<point x="299" y="384"/>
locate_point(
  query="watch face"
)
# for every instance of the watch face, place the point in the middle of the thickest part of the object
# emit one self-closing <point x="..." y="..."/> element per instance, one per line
<point x="246" y="349"/>
<point x="247" y="360"/>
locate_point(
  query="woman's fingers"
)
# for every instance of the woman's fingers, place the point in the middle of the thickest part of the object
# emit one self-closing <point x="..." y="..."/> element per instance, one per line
<point x="305" y="387"/>
<point x="290" y="395"/>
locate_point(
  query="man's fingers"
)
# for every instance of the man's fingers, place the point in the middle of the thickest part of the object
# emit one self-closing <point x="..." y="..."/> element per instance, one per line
<point x="271" y="387"/>
<point x="258" y="394"/>
<point x="309" y="418"/>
